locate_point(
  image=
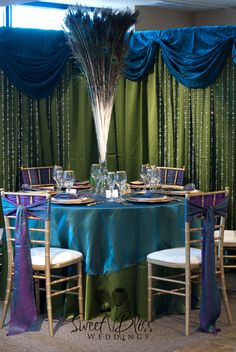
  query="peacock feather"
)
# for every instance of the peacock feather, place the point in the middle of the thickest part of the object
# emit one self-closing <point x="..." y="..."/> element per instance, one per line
<point x="99" y="38"/>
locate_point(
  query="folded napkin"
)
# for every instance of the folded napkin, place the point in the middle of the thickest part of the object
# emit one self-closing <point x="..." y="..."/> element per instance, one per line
<point x="189" y="187"/>
<point x="26" y="187"/>
<point x="66" y="196"/>
<point x="146" y="195"/>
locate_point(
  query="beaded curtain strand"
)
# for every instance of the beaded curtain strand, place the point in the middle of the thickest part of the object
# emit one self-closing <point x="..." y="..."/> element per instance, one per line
<point x="232" y="97"/>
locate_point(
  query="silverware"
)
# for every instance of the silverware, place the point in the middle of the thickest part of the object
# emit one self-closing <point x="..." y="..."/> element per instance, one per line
<point x="125" y="203"/>
<point x="94" y="203"/>
<point x="180" y="199"/>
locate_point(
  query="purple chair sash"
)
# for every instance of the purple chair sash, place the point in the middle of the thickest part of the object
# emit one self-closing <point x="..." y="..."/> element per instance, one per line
<point x="23" y="308"/>
<point x="210" y="308"/>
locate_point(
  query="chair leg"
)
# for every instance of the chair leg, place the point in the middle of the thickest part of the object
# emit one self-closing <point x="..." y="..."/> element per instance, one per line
<point x="225" y="296"/>
<point x="80" y="294"/>
<point x="37" y="293"/>
<point x="49" y="302"/>
<point x="7" y="295"/>
<point x="187" y="302"/>
<point x="149" y="298"/>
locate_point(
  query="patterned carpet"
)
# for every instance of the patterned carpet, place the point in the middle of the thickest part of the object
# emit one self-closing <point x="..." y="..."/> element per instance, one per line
<point x="165" y="334"/>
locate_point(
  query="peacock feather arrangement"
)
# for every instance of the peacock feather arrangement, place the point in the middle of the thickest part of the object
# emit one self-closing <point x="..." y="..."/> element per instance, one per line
<point x="99" y="38"/>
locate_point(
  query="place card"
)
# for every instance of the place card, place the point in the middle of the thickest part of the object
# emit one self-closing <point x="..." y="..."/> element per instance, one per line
<point x="114" y="193"/>
<point x="71" y="191"/>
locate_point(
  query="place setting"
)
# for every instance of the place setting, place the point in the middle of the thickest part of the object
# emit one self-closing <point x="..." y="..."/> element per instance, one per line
<point x="67" y="188"/>
<point x="147" y="197"/>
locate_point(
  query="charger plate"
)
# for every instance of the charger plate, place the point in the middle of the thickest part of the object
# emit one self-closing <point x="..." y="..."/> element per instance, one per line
<point x="138" y="184"/>
<point x="43" y="189"/>
<point x="81" y="185"/>
<point x="76" y="201"/>
<point x="143" y="199"/>
<point x="172" y="192"/>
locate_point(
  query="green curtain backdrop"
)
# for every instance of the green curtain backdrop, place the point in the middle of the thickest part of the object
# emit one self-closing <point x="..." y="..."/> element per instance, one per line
<point x="154" y="120"/>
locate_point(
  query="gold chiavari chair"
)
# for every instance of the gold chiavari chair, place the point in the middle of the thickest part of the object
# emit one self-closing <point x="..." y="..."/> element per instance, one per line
<point x="45" y="258"/>
<point x="189" y="257"/>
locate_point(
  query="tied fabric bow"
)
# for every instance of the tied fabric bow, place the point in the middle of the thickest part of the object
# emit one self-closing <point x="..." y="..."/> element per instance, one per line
<point x="23" y="308"/>
<point x="210" y="308"/>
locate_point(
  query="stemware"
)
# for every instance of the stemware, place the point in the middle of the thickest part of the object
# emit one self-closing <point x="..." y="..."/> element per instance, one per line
<point x="111" y="178"/>
<point x="144" y="175"/>
<point x="121" y="180"/>
<point x="58" y="176"/>
<point x="150" y="178"/>
<point x="68" y="179"/>
<point x="157" y="178"/>
<point x="56" y="173"/>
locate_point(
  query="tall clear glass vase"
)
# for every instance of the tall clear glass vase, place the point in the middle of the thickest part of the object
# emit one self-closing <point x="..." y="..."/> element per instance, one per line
<point x="102" y="182"/>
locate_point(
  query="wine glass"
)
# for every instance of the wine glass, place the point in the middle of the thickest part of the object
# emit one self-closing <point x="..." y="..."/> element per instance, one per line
<point x="68" y="179"/>
<point x="111" y="178"/>
<point x="157" y="178"/>
<point x="144" y="175"/>
<point x="150" y="177"/>
<point x="54" y="172"/>
<point x="154" y="177"/>
<point x="121" y="180"/>
<point x="57" y="175"/>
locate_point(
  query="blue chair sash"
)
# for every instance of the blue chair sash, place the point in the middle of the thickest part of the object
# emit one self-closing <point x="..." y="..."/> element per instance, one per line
<point x="23" y="308"/>
<point x="210" y="308"/>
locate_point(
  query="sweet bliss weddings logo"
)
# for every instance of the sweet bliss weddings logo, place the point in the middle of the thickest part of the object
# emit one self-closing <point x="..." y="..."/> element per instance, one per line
<point x="122" y="327"/>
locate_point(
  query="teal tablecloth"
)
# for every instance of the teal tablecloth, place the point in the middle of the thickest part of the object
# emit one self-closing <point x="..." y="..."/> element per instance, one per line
<point x="115" y="236"/>
<point x="115" y="240"/>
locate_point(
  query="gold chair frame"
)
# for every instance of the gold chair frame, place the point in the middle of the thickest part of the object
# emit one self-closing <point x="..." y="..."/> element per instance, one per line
<point x="192" y="272"/>
<point x="42" y="272"/>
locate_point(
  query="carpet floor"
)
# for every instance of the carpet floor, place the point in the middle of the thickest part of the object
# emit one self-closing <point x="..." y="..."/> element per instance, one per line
<point x="165" y="334"/>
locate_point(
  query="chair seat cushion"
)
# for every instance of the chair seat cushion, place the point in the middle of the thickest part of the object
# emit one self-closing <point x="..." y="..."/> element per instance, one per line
<point x="175" y="256"/>
<point x="229" y="237"/>
<point x="58" y="256"/>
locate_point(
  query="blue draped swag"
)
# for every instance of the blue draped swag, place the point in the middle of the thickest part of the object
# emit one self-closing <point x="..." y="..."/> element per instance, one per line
<point x="34" y="60"/>
<point x="195" y="56"/>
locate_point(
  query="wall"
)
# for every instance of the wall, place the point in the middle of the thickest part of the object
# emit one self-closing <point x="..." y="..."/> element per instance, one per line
<point x="161" y="18"/>
<point x="215" y="18"/>
<point x="164" y="18"/>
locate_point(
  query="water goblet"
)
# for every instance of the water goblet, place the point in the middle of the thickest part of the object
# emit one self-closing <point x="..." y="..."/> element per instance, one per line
<point x="56" y="173"/>
<point x="121" y="180"/>
<point x="111" y="178"/>
<point x="156" y="178"/>
<point x="144" y="175"/>
<point x="59" y="179"/>
<point x="68" y="179"/>
<point x="150" y="177"/>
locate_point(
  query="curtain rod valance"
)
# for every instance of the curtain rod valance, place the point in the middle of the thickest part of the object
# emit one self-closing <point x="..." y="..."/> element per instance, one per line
<point x="195" y="56"/>
<point x="34" y="60"/>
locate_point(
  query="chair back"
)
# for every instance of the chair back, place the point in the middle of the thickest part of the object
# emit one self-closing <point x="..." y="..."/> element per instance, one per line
<point x="37" y="176"/>
<point x="172" y="176"/>
<point x="210" y="210"/>
<point x="36" y="207"/>
<point x="204" y="214"/>
<point x="207" y="210"/>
